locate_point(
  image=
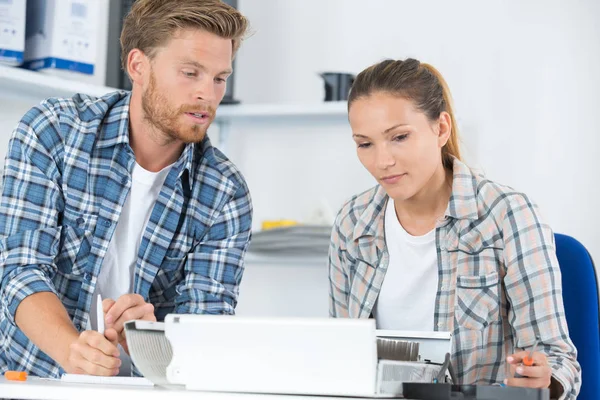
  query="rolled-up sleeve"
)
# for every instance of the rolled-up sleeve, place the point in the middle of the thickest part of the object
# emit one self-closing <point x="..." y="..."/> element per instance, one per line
<point x="534" y="289"/>
<point x="29" y="210"/>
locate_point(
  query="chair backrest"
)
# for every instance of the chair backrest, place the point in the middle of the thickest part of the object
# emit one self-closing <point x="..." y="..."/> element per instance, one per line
<point x="580" y="297"/>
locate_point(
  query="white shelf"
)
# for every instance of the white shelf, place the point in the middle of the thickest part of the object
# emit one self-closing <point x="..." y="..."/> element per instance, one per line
<point x="21" y="83"/>
<point x="336" y="109"/>
<point x="36" y="86"/>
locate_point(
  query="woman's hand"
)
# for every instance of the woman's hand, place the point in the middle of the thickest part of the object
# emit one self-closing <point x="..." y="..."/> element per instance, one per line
<point x="538" y="375"/>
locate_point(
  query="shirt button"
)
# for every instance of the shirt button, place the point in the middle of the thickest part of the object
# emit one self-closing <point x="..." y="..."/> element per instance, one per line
<point x="78" y="327"/>
<point x="124" y="180"/>
<point x="88" y="276"/>
<point x="443" y="248"/>
<point x="367" y="303"/>
<point x="80" y="221"/>
<point x="439" y="324"/>
<point x="107" y="223"/>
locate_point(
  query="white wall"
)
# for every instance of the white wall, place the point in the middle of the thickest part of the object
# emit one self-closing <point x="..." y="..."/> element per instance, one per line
<point x="11" y="112"/>
<point x="524" y="78"/>
<point x="525" y="81"/>
<point x="291" y="290"/>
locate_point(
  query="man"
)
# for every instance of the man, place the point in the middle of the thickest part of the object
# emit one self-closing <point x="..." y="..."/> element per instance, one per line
<point x="125" y="197"/>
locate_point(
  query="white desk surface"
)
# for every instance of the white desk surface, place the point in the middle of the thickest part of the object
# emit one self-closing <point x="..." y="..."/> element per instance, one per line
<point x="36" y="388"/>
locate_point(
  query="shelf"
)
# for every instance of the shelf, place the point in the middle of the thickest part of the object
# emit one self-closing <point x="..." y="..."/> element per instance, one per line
<point x="335" y="110"/>
<point x="25" y="84"/>
<point x="18" y="83"/>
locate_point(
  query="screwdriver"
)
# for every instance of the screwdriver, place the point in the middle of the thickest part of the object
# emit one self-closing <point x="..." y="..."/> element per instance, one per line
<point x="528" y="360"/>
<point x="15" y="375"/>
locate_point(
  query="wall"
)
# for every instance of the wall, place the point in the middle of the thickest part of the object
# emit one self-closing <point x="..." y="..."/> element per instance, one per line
<point x="10" y="113"/>
<point x="525" y="82"/>
<point x="524" y="78"/>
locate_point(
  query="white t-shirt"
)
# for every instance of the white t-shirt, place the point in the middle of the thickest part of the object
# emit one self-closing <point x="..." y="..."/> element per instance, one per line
<point x="407" y="297"/>
<point x="116" y="275"/>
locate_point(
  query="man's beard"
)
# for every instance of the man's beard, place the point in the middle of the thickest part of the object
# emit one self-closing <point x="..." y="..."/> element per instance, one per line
<point x="165" y="119"/>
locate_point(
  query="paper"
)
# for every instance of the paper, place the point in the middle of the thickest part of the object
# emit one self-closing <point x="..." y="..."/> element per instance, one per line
<point x="293" y="240"/>
<point x="397" y="349"/>
<point x="392" y="374"/>
<point x="100" y="315"/>
<point x="150" y="350"/>
<point x="106" y="380"/>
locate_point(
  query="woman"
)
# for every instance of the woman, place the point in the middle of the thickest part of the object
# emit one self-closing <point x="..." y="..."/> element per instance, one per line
<point x="435" y="246"/>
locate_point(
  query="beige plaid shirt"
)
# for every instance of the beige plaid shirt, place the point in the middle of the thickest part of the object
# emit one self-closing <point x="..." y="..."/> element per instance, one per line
<point x="499" y="284"/>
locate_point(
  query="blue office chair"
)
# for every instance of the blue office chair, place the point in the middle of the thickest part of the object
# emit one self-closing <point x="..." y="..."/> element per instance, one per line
<point x="580" y="296"/>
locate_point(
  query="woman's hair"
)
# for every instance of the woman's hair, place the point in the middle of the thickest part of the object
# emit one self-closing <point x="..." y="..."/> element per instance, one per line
<point x="152" y="23"/>
<point x="419" y="82"/>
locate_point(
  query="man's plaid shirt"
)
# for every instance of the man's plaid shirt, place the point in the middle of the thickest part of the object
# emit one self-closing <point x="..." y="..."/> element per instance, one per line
<point x="66" y="177"/>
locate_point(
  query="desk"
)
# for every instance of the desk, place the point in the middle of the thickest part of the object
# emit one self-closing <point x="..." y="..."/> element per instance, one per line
<point x="36" y="388"/>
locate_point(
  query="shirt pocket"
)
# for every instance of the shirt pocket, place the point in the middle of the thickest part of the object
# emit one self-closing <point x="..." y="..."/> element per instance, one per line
<point x="172" y="268"/>
<point x="174" y="260"/>
<point x="477" y="300"/>
<point x="171" y="271"/>
<point x="163" y="290"/>
<point x="76" y="242"/>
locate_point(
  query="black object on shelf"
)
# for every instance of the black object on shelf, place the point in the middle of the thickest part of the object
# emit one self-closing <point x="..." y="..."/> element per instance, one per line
<point x="229" y="98"/>
<point x="337" y="85"/>
<point x="115" y="76"/>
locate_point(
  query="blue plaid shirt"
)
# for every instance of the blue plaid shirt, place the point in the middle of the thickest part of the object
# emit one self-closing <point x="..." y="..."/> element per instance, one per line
<point x="66" y="177"/>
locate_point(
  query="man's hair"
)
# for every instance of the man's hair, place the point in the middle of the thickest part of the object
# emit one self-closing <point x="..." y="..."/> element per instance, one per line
<point x="152" y="23"/>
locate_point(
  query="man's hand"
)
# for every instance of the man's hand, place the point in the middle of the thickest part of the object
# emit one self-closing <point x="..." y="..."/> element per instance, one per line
<point x="92" y="354"/>
<point x="127" y="307"/>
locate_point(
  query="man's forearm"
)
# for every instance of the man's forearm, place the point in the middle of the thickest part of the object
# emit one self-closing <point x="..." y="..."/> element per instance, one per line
<point x="44" y="320"/>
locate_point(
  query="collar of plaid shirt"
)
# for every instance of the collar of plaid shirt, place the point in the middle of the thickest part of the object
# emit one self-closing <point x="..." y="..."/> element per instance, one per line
<point x="369" y="231"/>
<point x="114" y="134"/>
